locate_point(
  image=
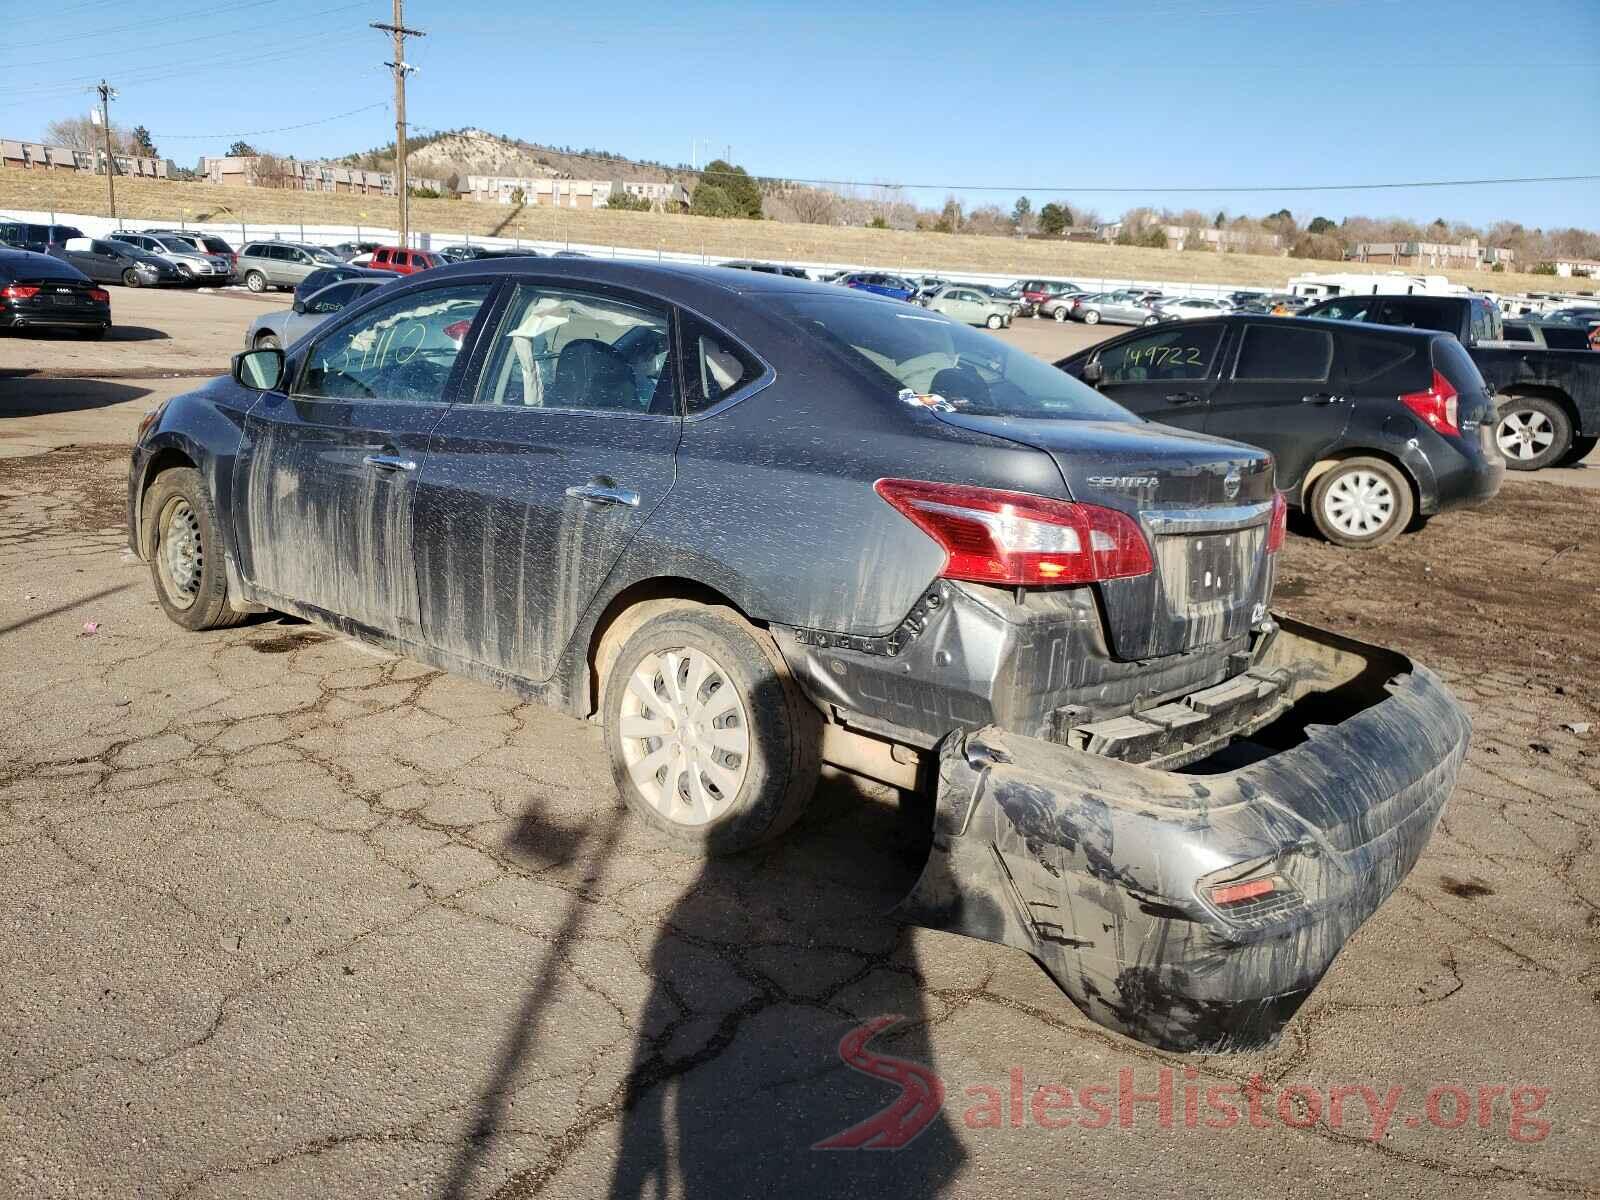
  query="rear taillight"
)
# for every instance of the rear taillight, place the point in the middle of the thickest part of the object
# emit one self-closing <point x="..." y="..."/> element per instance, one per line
<point x="1279" y="525"/>
<point x="1439" y="406"/>
<point x="19" y="291"/>
<point x="992" y="536"/>
<point x="100" y="295"/>
<point x="457" y="330"/>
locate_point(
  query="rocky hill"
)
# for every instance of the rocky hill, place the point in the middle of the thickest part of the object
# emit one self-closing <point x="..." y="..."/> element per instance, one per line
<point x="465" y="152"/>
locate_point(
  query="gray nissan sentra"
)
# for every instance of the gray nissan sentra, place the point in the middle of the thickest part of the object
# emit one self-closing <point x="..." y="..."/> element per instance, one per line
<point x="753" y="524"/>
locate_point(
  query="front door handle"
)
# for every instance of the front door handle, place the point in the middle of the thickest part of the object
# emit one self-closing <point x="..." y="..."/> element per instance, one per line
<point x="599" y="493"/>
<point x="1182" y="398"/>
<point x="1321" y="398"/>
<point x="389" y="462"/>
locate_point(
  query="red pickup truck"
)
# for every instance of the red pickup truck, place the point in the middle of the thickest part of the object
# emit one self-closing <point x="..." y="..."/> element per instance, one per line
<point x="402" y="261"/>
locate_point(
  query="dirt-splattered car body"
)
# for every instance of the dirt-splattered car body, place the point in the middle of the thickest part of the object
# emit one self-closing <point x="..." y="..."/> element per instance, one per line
<point x="469" y="528"/>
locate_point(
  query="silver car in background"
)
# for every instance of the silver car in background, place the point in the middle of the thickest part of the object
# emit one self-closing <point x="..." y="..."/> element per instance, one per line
<point x="1188" y="308"/>
<point x="1114" y="308"/>
<point x="264" y="265"/>
<point x="970" y="306"/>
<point x="284" y="326"/>
<point x="194" y="265"/>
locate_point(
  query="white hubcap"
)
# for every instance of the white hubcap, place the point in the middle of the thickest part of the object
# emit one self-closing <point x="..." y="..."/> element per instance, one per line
<point x="685" y="735"/>
<point x="1525" y="434"/>
<point x="1359" y="504"/>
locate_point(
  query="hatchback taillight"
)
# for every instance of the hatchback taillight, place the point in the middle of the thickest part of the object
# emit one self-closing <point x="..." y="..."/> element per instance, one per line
<point x="993" y="536"/>
<point x="19" y="291"/>
<point x="100" y="295"/>
<point x="1439" y="406"/>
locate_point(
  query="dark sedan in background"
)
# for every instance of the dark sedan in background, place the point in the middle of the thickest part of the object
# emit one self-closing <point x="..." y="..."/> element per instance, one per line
<point x="753" y="524"/>
<point x="1371" y="425"/>
<point x="117" y="262"/>
<point x="38" y="291"/>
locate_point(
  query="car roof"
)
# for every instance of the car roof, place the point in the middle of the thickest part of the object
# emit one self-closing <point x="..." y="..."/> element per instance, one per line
<point x="44" y="266"/>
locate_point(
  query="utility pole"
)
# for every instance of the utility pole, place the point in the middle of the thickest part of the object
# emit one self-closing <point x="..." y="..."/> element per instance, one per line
<point x="401" y="69"/>
<point x="106" y="93"/>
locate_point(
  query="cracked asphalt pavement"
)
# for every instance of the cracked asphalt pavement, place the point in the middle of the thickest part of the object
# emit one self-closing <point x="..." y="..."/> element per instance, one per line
<point x="287" y="916"/>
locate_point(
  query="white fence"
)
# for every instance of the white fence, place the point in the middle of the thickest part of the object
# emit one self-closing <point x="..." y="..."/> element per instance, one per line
<point x="238" y="233"/>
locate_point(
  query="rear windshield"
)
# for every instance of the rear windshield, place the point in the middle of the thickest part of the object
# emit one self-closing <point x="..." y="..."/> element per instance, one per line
<point x="217" y="246"/>
<point x="929" y="359"/>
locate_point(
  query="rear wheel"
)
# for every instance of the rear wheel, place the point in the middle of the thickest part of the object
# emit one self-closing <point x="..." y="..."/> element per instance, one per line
<point x="994" y="321"/>
<point x="1362" y="503"/>
<point x="1532" y="432"/>
<point x="268" y="341"/>
<point x="1152" y="320"/>
<point x="1061" y="314"/>
<point x="1092" y="317"/>
<point x="130" y="278"/>
<point x="186" y="552"/>
<point x="255" y="281"/>
<point x="710" y="740"/>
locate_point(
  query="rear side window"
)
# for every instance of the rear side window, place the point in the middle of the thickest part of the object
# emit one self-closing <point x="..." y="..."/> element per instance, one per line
<point x="1355" y="308"/>
<point x="1486" y="322"/>
<point x="1422" y="314"/>
<point x="715" y="366"/>
<point x="1517" y="333"/>
<point x="1557" y="338"/>
<point x="1456" y="365"/>
<point x="1370" y="358"/>
<point x="1270" y="352"/>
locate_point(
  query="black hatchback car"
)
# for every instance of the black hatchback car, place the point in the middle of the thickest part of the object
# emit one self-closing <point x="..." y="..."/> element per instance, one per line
<point x="1371" y="426"/>
<point x="38" y="291"/>
<point x="751" y="524"/>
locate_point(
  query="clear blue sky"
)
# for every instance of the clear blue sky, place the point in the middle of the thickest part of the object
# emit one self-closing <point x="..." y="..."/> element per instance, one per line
<point x="1050" y="97"/>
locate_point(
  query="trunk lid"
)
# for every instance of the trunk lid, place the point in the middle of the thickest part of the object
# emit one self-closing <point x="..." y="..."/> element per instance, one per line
<point x="1204" y="504"/>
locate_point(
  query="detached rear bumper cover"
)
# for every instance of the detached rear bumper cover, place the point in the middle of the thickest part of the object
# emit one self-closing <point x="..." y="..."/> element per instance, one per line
<point x="1101" y="869"/>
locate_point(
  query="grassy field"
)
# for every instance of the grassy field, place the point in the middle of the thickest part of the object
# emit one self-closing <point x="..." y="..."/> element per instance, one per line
<point x="143" y="200"/>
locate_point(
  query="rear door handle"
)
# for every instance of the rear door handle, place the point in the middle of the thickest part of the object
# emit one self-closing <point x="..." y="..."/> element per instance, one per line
<point x="599" y="493"/>
<point x="389" y="462"/>
<point x="1321" y="398"/>
<point x="1182" y="398"/>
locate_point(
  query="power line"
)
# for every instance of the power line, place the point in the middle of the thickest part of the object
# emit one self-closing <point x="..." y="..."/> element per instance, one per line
<point x="179" y="137"/>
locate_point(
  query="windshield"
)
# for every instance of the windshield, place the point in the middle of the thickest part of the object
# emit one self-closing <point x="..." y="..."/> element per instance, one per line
<point x="321" y="255"/>
<point x="938" y="362"/>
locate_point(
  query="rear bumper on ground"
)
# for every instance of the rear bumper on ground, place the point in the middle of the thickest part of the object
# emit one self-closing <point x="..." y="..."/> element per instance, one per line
<point x="1103" y="870"/>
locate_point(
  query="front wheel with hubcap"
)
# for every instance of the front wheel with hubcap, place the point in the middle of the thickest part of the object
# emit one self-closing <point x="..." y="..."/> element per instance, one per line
<point x="1532" y="432"/>
<point x="1361" y="503"/>
<point x="994" y="321"/>
<point x="710" y="740"/>
<point x="1091" y="317"/>
<point x="130" y="278"/>
<point x="255" y="281"/>
<point x="186" y="553"/>
<point x="268" y="341"/>
<point x="1061" y="314"/>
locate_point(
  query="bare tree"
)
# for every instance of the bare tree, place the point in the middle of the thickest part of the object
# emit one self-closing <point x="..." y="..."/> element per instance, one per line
<point x="80" y="133"/>
<point x="813" y="206"/>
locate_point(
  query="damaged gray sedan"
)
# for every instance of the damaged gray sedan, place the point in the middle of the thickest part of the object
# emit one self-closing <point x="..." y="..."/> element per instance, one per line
<point x="753" y="524"/>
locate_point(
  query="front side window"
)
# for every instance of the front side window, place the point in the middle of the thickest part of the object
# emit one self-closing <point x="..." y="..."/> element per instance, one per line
<point x="403" y="351"/>
<point x="923" y="358"/>
<point x="558" y="348"/>
<point x="1271" y="352"/>
<point x="1184" y="352"/>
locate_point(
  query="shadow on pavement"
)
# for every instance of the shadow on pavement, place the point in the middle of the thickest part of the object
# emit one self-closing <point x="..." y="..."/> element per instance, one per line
<point x="32" y="397"/>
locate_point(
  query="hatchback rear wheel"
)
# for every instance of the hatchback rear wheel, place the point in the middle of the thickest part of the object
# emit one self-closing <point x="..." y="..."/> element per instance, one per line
<point x="1532" y="432"/>
<point x="711" y="742"/>
<point x="1362" y="503"/>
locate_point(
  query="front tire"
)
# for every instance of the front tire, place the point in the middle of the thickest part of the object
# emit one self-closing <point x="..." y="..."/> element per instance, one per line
<point x="711" y="742"/>
<point x="1061" y="314"/>
<point x="1091" y="317"/>
<point x="1362" y="503"/>
<point x="186" y="552"/>
<point x="130" y="278"/>
<point x="268" y="341"/>
<point x="255" y="281"/>
<point x="1532" y="432"/>
<point x="994" y="321"/>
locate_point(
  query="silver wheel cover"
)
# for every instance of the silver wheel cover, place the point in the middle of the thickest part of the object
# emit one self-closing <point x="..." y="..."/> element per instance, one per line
<point x="1524" y="433"/>
<point x="182" y="555"/>
<point x="685" y="735"/>
<point x="1359" y="503"/>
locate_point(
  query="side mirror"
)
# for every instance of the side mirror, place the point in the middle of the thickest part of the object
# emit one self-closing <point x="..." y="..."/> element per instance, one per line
<point x="299" y="306"/>
<point x="258" y="370"/>
<point x="1093" y="373"/>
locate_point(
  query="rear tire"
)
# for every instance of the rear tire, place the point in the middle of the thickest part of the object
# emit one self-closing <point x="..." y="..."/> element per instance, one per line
<point x="186" y="565"/>
<point x="1061" y="314"/>
<point x="1152" y="320"/>
<point x="255" y="281"/>
<point x="711" y="742"/>
<point x="268" y="341"/>
<point x="130" y="278"/>
<point x="1362" y="503"/>
<point x="1532" y="432"/>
